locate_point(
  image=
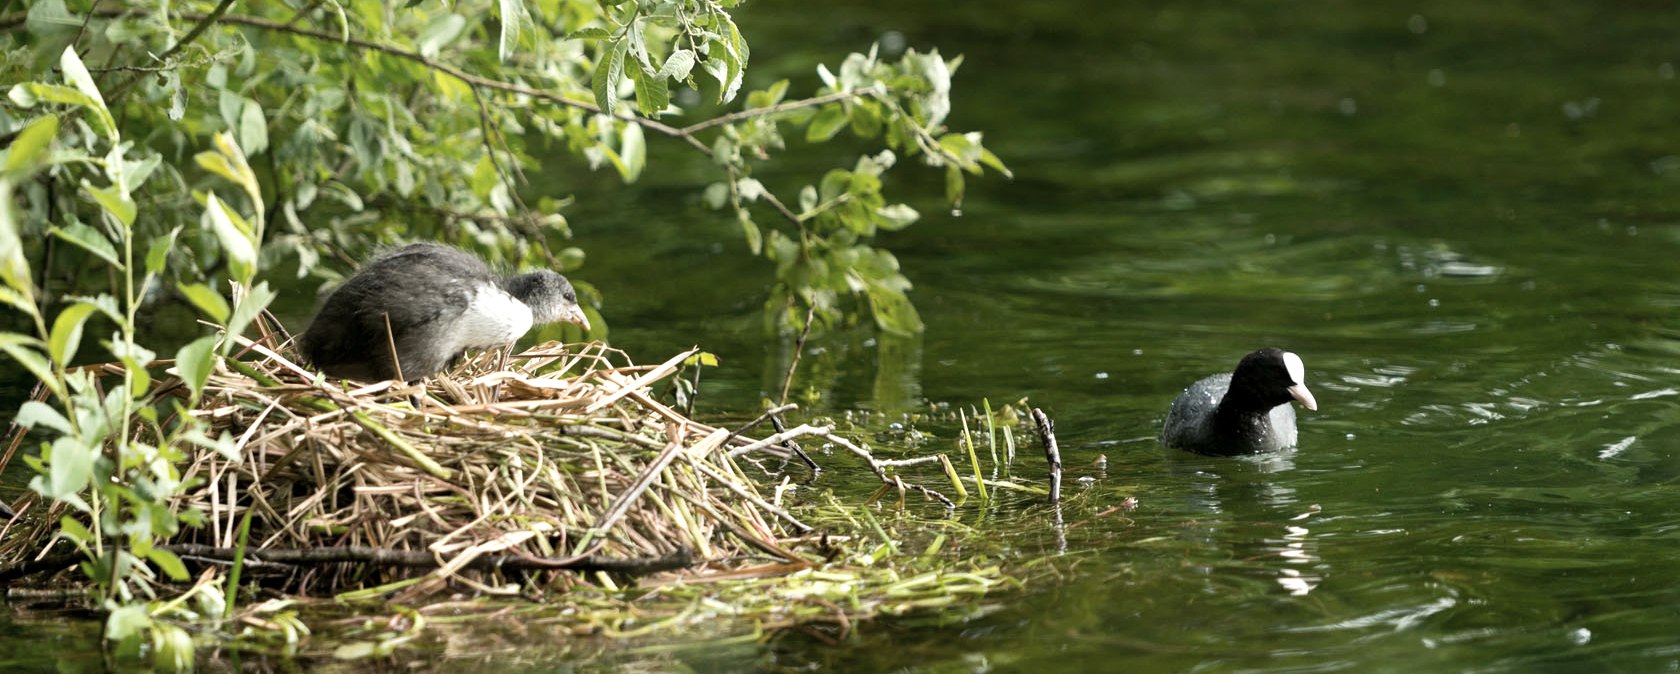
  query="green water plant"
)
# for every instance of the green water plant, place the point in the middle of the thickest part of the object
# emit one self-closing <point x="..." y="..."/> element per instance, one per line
<point x="112" y="465"/>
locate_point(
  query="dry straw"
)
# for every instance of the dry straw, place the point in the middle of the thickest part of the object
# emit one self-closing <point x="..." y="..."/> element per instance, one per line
<point x="560" y="469"/>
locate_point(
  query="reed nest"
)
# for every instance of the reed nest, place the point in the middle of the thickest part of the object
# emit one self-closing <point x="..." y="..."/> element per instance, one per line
<point x="559" y="468"/>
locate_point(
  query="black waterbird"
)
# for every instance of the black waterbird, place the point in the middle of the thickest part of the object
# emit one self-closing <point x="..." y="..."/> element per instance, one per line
<point x="1243" y="412"/>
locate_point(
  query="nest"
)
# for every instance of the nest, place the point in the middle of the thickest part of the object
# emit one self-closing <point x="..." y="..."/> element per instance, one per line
<point x="503" y="480"/>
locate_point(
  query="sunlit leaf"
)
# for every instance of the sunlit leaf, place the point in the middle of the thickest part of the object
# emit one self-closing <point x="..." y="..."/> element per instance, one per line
<point x="590" y="33"/>
<point x="829" y="121"/>
<point x="989" y="159"/>
<point x="26" y="150"/>
<point x="90" y="240"/>
<point x="255" y="301"/>
<point x="27" y="352"/>
<point x="195" y="361"/>
<point x="116" y="203"/>
<point x="208" y="301"/>
<point x="171" y="566"/>
<point x="653" y="94"/>
<point x="35" y="414"/>
<point x="126" y="621"/>
<point x="896" y="216"/>
<point x="680" y="63"/>
<point x="157" y="255"/>
<point x="66" y="335"/>
<point x="71" y="467"/>
<point x="755" y="238"/>
<point x="608" y="73"/>
<point x="235" y="240"/>
<point x="72" y="529"/>
<point x="513" y="19"/>
<point x="253" y="128"/>
<point x="78" y="76"/>
<point x="14" y="266"/>
<point x="442" y="30"/>
<point x="632" y="150"/>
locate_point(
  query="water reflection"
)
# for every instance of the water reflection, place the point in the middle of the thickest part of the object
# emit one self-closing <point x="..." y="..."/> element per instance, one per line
<point x="1244" y="516"/>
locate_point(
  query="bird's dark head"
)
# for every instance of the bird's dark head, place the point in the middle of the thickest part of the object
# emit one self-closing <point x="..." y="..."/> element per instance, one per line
<point x="1275" y="377"/>
<point x="550" y="297"/>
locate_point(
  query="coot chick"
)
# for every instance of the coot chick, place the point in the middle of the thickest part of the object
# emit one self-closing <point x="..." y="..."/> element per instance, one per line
<point x="438" y="301"/>
<point x="1244" y="412"/>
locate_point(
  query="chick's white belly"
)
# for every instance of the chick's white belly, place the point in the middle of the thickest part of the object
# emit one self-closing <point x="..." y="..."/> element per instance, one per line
<point x="492" y="318"/>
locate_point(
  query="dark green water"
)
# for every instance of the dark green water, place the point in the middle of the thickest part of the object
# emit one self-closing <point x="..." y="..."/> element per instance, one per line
<point x="1464" y="216"/>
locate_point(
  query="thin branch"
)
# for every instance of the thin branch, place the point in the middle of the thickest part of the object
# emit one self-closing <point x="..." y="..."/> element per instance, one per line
<point x="776" y="109"/>
<point x="1052" y="454"/>
<point x="798" y="350"/>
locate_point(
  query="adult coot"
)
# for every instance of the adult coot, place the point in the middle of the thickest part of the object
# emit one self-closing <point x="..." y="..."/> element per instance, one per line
<point x="426" y="304"/>
<point x="1243" y="412"/>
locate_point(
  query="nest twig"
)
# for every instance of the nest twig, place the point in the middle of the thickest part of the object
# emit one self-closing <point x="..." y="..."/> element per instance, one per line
<point x="563" y="461"/>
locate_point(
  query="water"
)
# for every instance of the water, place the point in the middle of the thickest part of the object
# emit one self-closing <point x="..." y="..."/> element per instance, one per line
<point x="1462" y="217"/>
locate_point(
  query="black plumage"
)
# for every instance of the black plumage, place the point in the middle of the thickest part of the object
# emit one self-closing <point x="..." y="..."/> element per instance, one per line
<point x="412" y="311"/>
<point x="1242" y="412"/>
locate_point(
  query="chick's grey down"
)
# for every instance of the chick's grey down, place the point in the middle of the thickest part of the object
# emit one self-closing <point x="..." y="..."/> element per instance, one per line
<point x="1245" y="411"/>
<point x="438" y="301"/>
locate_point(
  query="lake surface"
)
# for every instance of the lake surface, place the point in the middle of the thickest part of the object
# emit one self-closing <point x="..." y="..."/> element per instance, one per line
<point x="1464" y="216"/>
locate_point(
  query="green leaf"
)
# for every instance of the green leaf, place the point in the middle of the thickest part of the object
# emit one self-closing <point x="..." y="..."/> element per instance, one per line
<point x="255" y="301"/>
<point x="27" y="352"/>
<point x="954" y="186"/>
<point x="716" y="195"/>
<point x="116" y="203"/>
<point x="208" y="301"/>
<point x="235" y="240"/>
<point x="70" y="528"/>
<point x="35" y="413"/>
<point x="253" y="128"/>
<point x="127" y="621"/>
<point x="14" y="266"/>
<point x="17" y="301"/>
<point x="680" y="63"/>
<point x="896" y="216"/>
<point x="513" y="19"/>
<point x="703" y="358"/>
<point x="989" y="159"/>
<point x="90" y="240"/>
<point x="755" y="238"/>
<point x="440" y="32"/>
<point x="653" y="94"/>
<point x="632" y="149"/>
<point x="829" y="121"/>
<point x="157" y="255"/>
<point x="79" y="77"/>
<point x="66" y="334"/>
<point x="590" y="33"/>
<point x="70" y="469"/>
<point x="26" y="150"/>
<point x="194" y="362"/>
<point x="607" y="75"/>
<point x="168" y="563"/>
<point x="241" y="168"/>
